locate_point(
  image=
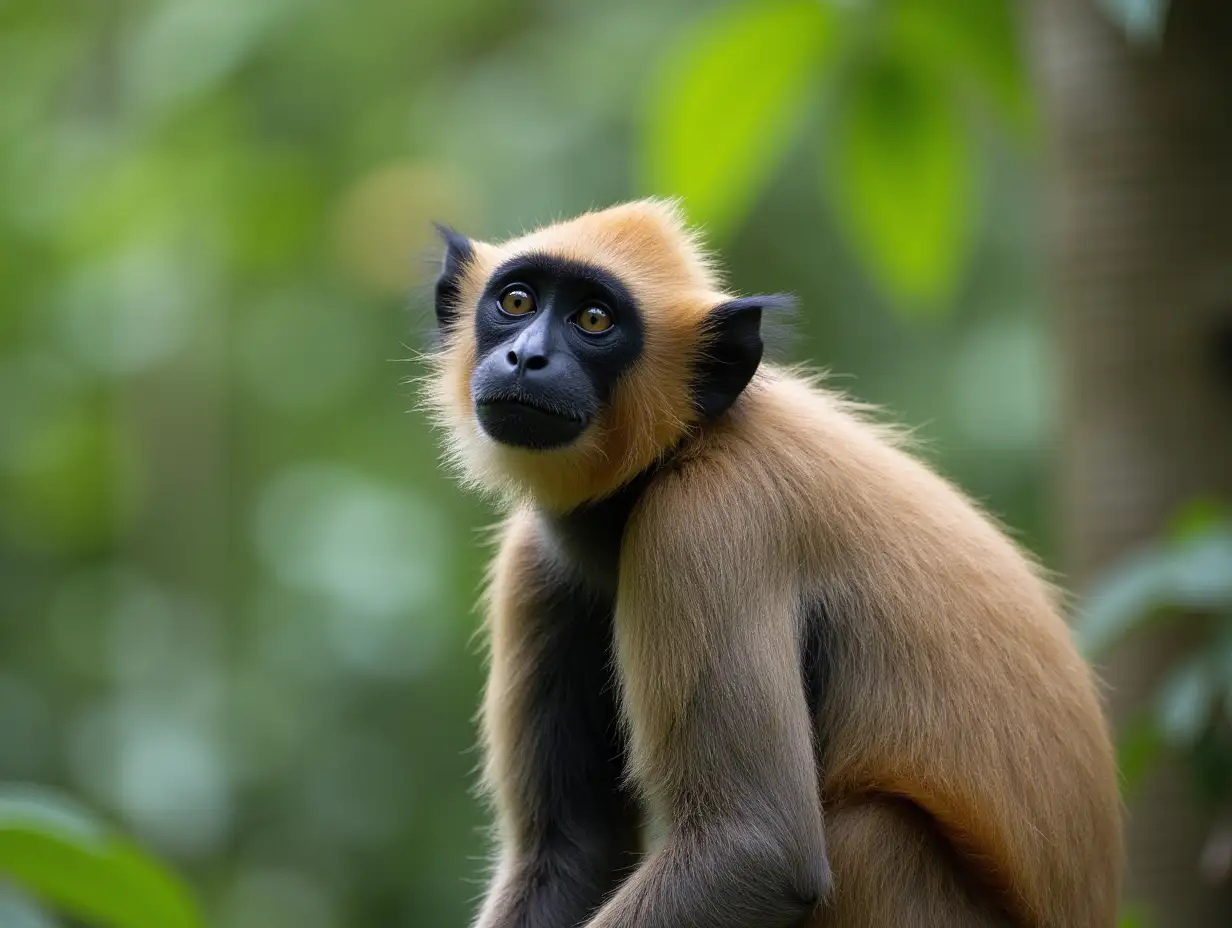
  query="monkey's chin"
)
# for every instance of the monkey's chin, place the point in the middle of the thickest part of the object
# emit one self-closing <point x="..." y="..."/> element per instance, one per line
<point x="531" y="428"/>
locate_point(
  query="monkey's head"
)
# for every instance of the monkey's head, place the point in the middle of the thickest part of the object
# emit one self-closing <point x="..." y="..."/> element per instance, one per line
<point x="575" y="356"/>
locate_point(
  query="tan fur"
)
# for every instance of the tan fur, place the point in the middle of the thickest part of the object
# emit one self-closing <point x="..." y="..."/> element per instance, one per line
<point x="957" y="685"/>
<point x="954" y="688"/>
<point x="921" y="887"/>
<point x="512" y="585"/>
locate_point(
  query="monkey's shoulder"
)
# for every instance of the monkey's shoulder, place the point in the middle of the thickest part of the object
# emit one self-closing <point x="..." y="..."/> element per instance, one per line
<point x="585" y="547"/>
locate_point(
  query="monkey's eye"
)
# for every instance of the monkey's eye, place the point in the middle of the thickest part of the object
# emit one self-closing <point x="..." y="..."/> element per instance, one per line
<point x="517" y="301"/>
<point x="593" y="319"/>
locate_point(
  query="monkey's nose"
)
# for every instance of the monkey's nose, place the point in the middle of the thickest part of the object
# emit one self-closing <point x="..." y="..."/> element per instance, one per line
<point x="527" y="361"/>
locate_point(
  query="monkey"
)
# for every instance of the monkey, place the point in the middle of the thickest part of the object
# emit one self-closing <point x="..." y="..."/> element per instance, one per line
<point x="751" y="662"/>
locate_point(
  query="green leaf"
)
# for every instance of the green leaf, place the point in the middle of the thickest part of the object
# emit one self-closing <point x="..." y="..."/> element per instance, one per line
<point x="1142" y="20"/>
<point x="722" y="109"/>
<point x="36" y="805"/>
<point x="1185" y="701"/>
<point x="1124" y="597"/>
<point x="60" y="854"/>
<point x="19" y="912"/>
<point x="1191" y="573"/>
<point x="975" y="41"/>
<point x="900" y="170"/>
<point x="1200" y="576"/>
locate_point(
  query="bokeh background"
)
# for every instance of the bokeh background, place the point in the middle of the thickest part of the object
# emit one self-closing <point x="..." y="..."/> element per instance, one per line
<point x="236" y="590"/>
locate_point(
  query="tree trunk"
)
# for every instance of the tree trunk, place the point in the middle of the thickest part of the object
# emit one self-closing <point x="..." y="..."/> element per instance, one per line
<point x="1141" y="193"/>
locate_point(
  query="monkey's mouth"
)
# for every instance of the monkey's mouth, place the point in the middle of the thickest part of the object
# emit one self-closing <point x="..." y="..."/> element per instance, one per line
<point x="526" y="422"/>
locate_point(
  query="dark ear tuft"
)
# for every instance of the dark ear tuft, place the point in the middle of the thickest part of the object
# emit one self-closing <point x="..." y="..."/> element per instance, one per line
<point x="731" y="350"/>
<point x="459" y="252"/>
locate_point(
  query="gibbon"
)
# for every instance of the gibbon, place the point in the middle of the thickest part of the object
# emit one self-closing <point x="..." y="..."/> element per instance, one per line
<point x="752" y="664"/>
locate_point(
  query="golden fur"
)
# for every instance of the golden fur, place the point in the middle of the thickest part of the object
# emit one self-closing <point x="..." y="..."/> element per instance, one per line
<point x="957" y="685"/>
<point x="958" y="722"/>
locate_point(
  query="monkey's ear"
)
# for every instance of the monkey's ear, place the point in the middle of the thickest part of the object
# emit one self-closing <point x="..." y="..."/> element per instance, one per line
<point x="459" y="252"/>
<point x="731" y="350"/>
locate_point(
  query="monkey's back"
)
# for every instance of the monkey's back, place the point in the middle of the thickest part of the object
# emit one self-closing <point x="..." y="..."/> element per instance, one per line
<point x="946" y="675"/>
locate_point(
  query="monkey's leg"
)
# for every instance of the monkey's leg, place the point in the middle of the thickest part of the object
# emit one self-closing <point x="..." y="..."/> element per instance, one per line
<point x="568" y="827"/>
<point x="892" y="870"/>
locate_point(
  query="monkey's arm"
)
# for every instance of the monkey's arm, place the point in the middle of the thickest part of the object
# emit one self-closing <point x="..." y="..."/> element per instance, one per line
<point x="567" y="827"/>
<point x="722" y="739"/>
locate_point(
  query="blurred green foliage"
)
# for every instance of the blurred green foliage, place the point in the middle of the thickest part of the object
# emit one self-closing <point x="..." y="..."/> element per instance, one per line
<point x="58" y="851"/>
<point x="728" y="102"/>
<point x="235" y="587"/>
<point x="889" y="81"/>
<point x="1185" y="578"/>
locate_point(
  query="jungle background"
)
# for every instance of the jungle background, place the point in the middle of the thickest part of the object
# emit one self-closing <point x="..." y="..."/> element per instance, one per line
<point x="237" y="667"/>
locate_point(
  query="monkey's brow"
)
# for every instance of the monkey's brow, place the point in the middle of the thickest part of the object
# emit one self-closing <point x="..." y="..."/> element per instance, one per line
<point x="563" y="268"/>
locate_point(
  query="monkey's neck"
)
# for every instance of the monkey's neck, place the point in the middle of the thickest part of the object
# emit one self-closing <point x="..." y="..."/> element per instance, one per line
<point x="588" y="537"/>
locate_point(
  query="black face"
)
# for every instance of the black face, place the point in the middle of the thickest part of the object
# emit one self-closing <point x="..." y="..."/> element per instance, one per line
<point x="552" y="336"/>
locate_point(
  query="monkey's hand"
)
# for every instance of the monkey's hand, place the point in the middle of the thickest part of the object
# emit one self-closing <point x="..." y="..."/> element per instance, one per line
<point x="734" y="875"/>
